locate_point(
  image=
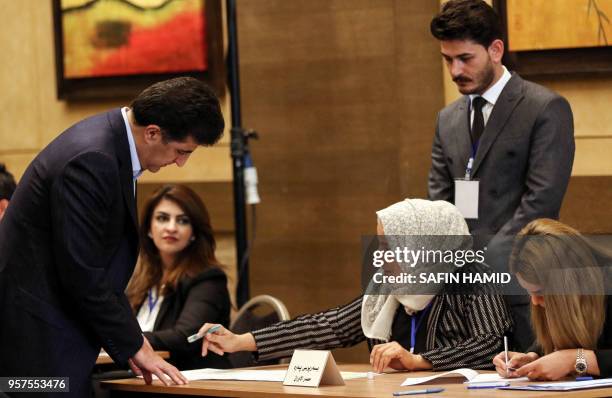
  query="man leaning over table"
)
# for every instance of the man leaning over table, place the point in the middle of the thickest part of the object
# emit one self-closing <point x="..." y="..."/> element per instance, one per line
<point x="69" y="240"/>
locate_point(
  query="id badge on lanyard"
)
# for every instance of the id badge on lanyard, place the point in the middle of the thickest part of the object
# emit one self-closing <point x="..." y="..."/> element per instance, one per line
<point x="466" y="190"/>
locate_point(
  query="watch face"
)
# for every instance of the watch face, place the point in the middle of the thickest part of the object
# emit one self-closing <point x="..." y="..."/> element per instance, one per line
<point x="581" y="367"/>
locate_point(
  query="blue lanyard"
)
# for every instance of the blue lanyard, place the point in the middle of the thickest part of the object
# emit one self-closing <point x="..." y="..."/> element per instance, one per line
<point x="152" y="303"/>
<point x="416" y="325"/>
<point x="468" y="168"/>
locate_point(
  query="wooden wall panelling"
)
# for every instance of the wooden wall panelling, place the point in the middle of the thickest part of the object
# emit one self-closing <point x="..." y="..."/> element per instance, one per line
<point x="586" y="205"/>
<point x="320" y="83"/>
<point x="420" y="92"/>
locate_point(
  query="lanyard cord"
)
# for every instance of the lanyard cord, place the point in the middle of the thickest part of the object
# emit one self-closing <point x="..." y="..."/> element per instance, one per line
<point x="416" y="325"/>
<point x="470" y="165"/>
<point x="152" y="302"/>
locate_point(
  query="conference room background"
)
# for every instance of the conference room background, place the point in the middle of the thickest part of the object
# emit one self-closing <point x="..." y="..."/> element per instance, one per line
<point x="344" y="94"/>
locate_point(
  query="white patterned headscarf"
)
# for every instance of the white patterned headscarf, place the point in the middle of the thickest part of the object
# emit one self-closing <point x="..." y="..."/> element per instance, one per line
<point x="412" y="223"/>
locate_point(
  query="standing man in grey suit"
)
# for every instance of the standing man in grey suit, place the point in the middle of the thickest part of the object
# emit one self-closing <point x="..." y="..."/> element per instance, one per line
<point x="69" y="240"/>
<point x="513" y="139"/>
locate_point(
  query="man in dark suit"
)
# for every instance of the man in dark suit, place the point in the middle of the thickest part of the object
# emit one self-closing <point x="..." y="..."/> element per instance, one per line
<point x="512" y="136"/>
<point x="69" y="241"/>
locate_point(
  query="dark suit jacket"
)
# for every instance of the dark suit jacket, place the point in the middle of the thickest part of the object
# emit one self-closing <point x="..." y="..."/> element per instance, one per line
<point x="68" y="245"/>
<point x="203" y="298"/>
<point x="604" y="344"/>
<point x="523" y="162"/>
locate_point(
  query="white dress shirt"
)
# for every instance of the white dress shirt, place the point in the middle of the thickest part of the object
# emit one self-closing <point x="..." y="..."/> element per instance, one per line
<point x="136" y="167"/>
<point x="491" y="96"/>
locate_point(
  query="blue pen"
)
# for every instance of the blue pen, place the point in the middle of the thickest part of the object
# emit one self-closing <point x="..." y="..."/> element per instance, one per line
<point x="195" y="337"/>
<point x="416" y="392"/>
<point x="496" y="384"/>
<point x="584" y="378"/>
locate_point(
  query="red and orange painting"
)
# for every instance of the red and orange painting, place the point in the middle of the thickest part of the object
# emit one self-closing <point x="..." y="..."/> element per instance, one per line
<point x="133" y="37"/>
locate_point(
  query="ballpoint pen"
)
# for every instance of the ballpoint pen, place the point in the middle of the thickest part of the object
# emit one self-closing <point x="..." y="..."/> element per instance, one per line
<point x="483" y="385"/>
<point x="416" y="392"/>
<point x="195" y="337"/>
<point x="506" y="355"/>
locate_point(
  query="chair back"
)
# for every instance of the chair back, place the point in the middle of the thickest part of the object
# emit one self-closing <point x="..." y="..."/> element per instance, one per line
<point x="257" y="313"/>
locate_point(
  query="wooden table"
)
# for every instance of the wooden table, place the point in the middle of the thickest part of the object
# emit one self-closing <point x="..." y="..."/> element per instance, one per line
<point x="105" y="359"/>
<point x="382" y="386"/>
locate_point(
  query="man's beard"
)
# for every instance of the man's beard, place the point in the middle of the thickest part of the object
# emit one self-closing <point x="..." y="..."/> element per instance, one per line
<point x="484" y="79"/>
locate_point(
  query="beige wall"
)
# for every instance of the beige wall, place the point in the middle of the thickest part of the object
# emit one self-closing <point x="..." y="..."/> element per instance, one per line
<point x="31" y="114"/>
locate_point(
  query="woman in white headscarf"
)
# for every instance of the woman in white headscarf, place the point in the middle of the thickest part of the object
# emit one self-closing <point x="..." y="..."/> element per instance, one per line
<point x="408" y="327"/>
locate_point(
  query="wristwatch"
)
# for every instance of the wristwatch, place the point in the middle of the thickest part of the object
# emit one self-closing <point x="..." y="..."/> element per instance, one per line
<point x="581" y="363"/>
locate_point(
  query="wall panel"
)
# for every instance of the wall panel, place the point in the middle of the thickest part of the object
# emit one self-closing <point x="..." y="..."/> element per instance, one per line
<point x="330" y="86"/>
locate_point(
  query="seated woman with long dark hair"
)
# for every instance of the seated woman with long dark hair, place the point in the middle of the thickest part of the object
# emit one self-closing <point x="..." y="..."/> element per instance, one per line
<point x="177" y="284"/>
<point x="406" y="329"/>
<point x="566" y="277"/>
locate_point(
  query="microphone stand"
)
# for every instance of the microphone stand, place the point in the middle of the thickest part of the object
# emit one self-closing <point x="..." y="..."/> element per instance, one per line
<point x="239" y="151"/>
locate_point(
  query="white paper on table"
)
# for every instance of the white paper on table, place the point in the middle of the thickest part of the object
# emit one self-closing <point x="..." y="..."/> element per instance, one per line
<point x="231" y="374"/>
<point x="492" y="378"/>
<point x="250" y="375"/>
<point x="469" y="374"/>
<point x="564" y="386"/>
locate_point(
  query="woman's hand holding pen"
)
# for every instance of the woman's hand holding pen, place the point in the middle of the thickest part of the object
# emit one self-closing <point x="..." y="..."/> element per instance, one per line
<point x="515" y="361"/>
<point x="223" y="340"/>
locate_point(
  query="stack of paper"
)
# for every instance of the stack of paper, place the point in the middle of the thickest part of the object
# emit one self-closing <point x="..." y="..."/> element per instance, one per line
<point x="472" y="377"/>
<point x="564" y="385"/>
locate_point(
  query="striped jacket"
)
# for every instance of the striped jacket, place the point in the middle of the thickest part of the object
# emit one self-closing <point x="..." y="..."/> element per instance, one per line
<point x="463" y="330"/>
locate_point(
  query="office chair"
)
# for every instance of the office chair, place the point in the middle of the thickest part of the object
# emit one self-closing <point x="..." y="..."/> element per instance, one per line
<point x="257" y="313"/>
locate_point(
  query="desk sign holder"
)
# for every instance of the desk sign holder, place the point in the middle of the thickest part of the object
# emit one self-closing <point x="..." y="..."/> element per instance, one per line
<point x="312" y="368"/>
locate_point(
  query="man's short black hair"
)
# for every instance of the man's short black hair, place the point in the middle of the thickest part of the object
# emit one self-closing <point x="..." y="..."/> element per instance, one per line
<point x="7" y="183"/>
<point x="467" y="20"/>
<point x="181" y="107"/>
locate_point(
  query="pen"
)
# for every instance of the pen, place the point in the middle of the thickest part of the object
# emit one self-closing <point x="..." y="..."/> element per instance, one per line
<point x="195" y="337"/>
<point x="416" y="392"/>
<point x="584" y="378"/>
<point x="497" y="384"/>
<point x="506" y="353"/>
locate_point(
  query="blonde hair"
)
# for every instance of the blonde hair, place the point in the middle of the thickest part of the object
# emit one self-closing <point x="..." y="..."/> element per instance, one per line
<point x="568" y="268"/>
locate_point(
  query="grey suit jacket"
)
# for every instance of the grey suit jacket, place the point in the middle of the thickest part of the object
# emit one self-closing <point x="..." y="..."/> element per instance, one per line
<point x="523" y="162"/>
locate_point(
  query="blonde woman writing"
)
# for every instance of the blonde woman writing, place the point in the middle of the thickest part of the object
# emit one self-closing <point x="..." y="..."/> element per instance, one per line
<point x="566" y="279"/>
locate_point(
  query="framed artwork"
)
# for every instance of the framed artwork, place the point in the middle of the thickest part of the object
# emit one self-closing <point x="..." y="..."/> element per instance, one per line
<point x="557" y="37"/>
<point x="115" y="48"/>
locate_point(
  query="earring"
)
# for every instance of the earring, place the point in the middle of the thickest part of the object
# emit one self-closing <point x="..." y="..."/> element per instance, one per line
<point x="192" y="238"/>
<point x="150" y="235"/>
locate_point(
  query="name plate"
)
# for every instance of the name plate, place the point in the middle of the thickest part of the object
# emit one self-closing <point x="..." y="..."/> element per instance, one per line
<point x="313" y="368"/>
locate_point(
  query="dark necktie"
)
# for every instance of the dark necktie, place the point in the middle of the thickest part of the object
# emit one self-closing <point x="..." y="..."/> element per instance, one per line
<point x="478" y="123"/>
